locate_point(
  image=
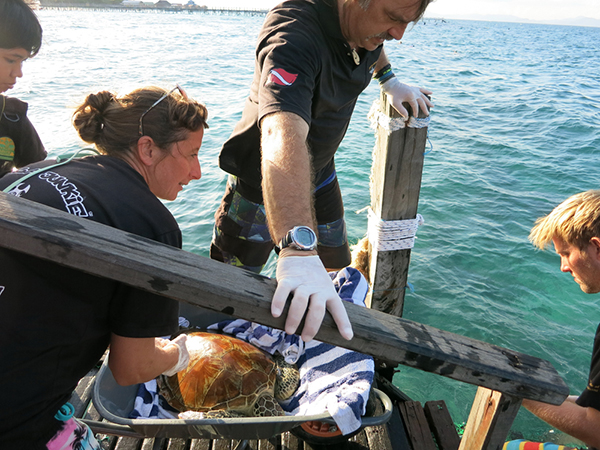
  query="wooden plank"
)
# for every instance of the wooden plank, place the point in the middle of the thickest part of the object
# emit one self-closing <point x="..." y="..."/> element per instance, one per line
<point x="378" y="436"/>
<point x="127" y="443"/>
<point x="200" y="444"/>
<point x="82" y="395"/>
<point x="416" y="425"/>
<point x="395" y="186"/>
<point x="177" y="444"/>
<point x="47" y="233"/>
<point x="269" y="444"/>
<point x="221" y="444"/>
<point x="490" y="419"/>
<point x="291" y="442"/>
<point x="441" y="425"/>
<point x="397" y="432"/>
<point x="359" y="441"/>
<point x="149" y="444"/>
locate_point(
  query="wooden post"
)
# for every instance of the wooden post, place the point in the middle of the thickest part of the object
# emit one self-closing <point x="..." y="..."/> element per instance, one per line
<point x="395" y="185"/>
<point x="490" y="419"/>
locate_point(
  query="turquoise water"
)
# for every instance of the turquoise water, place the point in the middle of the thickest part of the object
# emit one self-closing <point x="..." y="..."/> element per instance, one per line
<point x="515" y="130"/>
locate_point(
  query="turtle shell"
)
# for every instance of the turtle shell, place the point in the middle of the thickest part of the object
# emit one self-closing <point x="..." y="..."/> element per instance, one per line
<point x="224" y="373"/>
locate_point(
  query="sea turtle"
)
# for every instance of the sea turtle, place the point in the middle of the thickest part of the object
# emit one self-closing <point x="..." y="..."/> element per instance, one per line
<point x="228" y="377"/>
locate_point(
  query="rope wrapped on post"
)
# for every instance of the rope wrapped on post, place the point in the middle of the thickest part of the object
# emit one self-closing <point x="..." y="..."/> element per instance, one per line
<point x="388" y="235"/>
<point x="391" y="124"/>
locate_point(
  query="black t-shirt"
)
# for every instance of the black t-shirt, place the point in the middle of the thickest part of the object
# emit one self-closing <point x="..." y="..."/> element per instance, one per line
<point x="305" y="66"/>
<point x="19" y="142"/>
<point x="55" y="322"/>
<point x="591" y="395"/>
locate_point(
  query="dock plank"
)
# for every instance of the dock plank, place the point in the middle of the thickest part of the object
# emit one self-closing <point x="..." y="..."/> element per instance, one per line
<point x="100" y="250"/>
<point x="441" y="425"/>
<point x="200" y="444"/>
<point x="416" y="425"/>
<point x="397" y="432"/>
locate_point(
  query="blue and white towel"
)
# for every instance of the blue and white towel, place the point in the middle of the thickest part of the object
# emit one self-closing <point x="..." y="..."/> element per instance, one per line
<point x="332" y="379"/>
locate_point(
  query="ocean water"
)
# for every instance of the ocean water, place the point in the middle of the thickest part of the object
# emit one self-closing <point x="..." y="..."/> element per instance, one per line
<point x="515" y="130"/>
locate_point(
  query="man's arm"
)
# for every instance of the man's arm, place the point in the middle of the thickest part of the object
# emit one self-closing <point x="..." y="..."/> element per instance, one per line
<point x="580" y="422"/>
<point x="286" y="171"/>
<point x="137" y="360"/>
<point x="288" y="197"/>
<point x="399" y="92"/>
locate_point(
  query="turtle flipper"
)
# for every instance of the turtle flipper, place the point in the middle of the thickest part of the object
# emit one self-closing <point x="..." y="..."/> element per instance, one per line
<point x="266" y="406"/>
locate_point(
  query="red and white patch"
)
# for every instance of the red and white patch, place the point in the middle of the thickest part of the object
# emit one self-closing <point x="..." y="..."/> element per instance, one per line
<point x="281" y="77"/>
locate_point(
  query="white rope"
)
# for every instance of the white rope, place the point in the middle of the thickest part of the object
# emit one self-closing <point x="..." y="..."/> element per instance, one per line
<point x="379" y="119"/>
<point x="388" y="235"/>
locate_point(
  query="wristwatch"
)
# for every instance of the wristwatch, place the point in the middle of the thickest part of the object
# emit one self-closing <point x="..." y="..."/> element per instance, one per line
<point x="300" y="238"/>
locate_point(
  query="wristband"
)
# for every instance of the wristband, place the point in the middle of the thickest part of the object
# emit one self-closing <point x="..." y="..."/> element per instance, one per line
<point x="384" y="74"/>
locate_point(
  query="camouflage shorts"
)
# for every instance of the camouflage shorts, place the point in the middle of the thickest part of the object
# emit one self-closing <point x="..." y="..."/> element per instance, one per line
<point x="241" y="235"/>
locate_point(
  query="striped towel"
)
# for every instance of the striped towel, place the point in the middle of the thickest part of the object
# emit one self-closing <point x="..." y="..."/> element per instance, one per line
<point x="148" y="404"/>
<point x="332" y="379"/>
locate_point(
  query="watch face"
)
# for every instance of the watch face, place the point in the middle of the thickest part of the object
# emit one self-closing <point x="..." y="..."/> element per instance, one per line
<point x="305" y="236"/>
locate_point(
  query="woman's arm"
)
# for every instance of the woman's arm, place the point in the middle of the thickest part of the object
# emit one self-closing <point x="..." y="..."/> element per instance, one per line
<point x="137" y="360"/>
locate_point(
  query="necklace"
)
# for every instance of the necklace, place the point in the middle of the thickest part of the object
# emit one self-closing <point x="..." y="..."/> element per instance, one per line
<point x="3" y="106"/>
<point x="355" y="57"/>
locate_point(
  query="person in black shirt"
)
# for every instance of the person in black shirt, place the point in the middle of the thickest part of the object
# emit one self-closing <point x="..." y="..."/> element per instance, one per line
<point x="56" y="322"/>
<point x="574" y="229"/>
<point x="20" y="39"/>
<point x="313" y="59"/>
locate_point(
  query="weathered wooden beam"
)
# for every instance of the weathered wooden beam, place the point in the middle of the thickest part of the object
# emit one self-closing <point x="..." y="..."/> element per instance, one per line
<point x="490" y="419"/>
<point x="395" y="186"/>
<point x="103" y="251"/>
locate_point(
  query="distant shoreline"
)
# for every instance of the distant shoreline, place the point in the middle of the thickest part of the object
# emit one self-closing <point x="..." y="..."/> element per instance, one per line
<point x="170" y="8"/>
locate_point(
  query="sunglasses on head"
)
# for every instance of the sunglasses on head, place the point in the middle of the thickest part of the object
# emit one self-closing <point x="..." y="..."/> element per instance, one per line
<point x="176" y="88"/>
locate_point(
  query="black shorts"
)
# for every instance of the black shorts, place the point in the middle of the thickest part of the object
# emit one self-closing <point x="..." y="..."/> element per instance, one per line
<point x="241" y="236"/>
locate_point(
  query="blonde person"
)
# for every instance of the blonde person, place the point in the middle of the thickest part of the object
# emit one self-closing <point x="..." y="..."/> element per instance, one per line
<point x="574" y="229"/>
<point x="55" y="322"/>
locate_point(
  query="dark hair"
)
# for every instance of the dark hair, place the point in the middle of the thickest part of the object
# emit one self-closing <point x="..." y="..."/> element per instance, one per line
<point x="112" y="123"/>
<point x="19" y="27"/>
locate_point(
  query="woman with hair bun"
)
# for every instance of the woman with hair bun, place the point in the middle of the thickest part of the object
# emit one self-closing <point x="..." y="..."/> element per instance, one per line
<point x="56" y="322"/>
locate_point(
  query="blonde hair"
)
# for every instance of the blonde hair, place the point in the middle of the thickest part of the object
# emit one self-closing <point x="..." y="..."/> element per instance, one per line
<point x="112" y="123"/>
<point x="575" y="221"/>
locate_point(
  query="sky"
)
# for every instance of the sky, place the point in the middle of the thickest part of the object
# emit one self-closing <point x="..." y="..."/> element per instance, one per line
<point x="533" y="10"/>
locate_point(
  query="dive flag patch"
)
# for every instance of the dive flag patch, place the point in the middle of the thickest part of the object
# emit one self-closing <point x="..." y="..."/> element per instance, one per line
<point x="281" y="77"/>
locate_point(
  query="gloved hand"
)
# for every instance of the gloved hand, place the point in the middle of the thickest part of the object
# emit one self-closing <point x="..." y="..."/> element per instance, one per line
<point x="414" y="96"/>
<point x="184" y="356"/>
<point x="312" y="287"/>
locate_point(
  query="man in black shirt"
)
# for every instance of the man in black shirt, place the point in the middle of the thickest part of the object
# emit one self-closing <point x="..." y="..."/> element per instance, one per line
<point x="313" y="59"/>
<point x="574" y="228"/>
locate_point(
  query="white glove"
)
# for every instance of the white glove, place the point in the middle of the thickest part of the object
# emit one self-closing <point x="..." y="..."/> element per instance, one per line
<point x="312" y="287"/>
<point x="184" y="356"/>
<point x="414" y="96"/>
